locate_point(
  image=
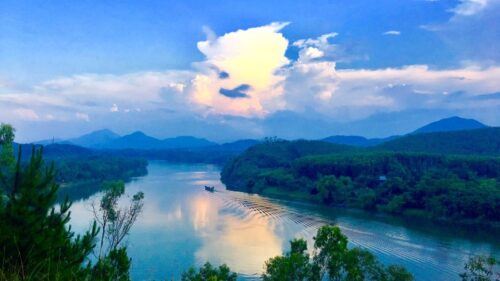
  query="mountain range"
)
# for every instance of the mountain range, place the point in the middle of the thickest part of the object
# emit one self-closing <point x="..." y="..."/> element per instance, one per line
<point x="107" y="139"/>
<point x="450" y="124"/>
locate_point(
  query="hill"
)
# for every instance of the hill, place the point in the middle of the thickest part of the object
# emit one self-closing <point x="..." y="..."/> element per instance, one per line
<point x="479" y="141"/>
<point x="444" y="125"/>
<point x="53" y="151"/>
<point x="357" y="140"/>
<point x="106" y="139"/>
<point x="185" y="142"/>
<point x="441" y="187"/>
<point x="271" y="155"/>
<point x="95" y="139"/>
<point x="237" y="146"/>
<point x="135" y="140"/>
<point x="454" y="123"/>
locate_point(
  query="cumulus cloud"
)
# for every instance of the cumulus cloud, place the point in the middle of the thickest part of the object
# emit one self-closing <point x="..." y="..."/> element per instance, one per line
<point x="314" y="48"/>
<point x="245" y="76"/>
<point x="238" y="92"/>
<point x="246" y="57"/>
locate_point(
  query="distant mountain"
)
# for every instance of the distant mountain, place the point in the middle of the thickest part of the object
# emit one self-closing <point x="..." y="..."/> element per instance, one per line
<point x="239" y="145"/>
<point x="139" y="140"/>
<point x="357" y="140"/>
<point x="185" y="142"/>
<point x="444" y="125"/>
<point x="485" y="141"/>
<point x="48" y="141"/>
<point x="95" y="139"/>
<point x="56" y="150"/>
<point x="450" y="124"/>
<point x="136" y="140"/>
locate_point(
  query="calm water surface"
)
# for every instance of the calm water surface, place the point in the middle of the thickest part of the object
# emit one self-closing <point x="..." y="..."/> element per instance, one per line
<point x="183" y="225"/>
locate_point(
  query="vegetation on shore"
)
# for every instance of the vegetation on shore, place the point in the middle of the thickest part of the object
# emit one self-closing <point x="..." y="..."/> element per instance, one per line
<point x="485" y="141"/>
<point x="82" y="172"/>
<point x="37" y="243"/>
<point x="449" y="187"/>
<point x="36" y="240"/>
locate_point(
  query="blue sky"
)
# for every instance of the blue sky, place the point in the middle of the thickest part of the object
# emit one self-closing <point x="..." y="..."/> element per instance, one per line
<point x="71" y="66"/>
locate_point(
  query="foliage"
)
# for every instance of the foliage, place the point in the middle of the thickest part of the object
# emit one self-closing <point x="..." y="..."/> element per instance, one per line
<point x="7" y="160"/>
<point x="459" y="188"/>
<point x="209" y="273"/>
<point x="333" y="260"/>
<point x="481" y="268"/>
<point x="115" y="221"/>
<point x="36" y="244"/>
<point x="293" y="266"/>
<point x="114" y="266"/>
<point x="98" y="168"/>
<point x="480" y="141"/>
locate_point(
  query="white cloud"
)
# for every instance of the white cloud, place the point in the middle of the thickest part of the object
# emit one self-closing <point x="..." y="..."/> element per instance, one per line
<point x="26" y="114"/>
<point x="311" y="80"/>
<point x="314" y="48"/>
<point x="114" y="108"/>
<point x="412" y="87"/>
<point x="469" y="7"/>
<point x="249" y="57"/>
<point x="254" y="57"/>
<point x="392" y="32"/>
<point x="82" y="116"/>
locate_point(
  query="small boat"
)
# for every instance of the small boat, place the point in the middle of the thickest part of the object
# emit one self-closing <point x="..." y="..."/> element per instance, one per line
<point x="210" y="188"/>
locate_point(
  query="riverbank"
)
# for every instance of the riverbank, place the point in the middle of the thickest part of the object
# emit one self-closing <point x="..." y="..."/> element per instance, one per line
<point x="442" y="188"/>
<point x="413" y="220"/>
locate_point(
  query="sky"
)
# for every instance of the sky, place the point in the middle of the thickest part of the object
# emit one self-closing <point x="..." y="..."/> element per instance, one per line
<point x="225" y="70"/>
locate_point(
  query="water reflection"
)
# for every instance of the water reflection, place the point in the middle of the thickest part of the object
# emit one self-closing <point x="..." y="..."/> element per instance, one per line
<point x="242" y="244"/>
<point x="183" y="225"/>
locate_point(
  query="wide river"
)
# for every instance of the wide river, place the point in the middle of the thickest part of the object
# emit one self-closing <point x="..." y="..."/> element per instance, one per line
<point x="184" y="225"/>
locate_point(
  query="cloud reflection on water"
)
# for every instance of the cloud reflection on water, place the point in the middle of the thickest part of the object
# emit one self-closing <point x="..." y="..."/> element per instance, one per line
<point x="243" y="244"/>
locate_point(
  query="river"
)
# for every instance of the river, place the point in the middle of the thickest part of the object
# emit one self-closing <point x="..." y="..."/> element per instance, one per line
<point x="184" y="225"/>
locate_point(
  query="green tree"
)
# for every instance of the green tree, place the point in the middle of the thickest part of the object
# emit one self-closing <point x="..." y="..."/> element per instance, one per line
<point x="328" y="188"/>
<point x="115" y="222"/>
<point x="209" y="273"/>
<point x="36" y="243"/>
<point x="293" y="266"/>
<point x="331" y="247"/>
<point x="332" y="260"/>
<point x="7" y="160"/>
<point x="7" y="134"/>
<point x="481" y="268"/>
<point x="114" y="266"/>
<point x="341" y="263"/>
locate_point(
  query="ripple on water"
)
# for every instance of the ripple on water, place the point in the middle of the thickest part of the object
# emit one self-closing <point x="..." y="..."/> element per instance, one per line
<point x="393" y="245"/>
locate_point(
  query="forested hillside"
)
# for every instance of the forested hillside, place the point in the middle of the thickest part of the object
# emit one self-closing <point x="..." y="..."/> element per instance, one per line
<point x="81" y="171"/>
<point x="479" y="141"/>
<point x="462" y="188"/>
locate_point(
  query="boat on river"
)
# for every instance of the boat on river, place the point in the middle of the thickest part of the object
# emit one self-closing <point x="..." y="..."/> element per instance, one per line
<point x="210" y="188"/>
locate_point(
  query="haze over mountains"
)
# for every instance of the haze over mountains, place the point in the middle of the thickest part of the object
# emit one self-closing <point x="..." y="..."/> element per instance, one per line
<point x="107" y="139"/>
<point x="454" y="123"/>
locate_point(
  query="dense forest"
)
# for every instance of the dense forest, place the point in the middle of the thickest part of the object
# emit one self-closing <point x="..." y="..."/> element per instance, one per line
<point x="459" y="187"/>
<point x="82" y="172"/>
<point x="484" y="141"/>
<point x="37" y="243"/>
